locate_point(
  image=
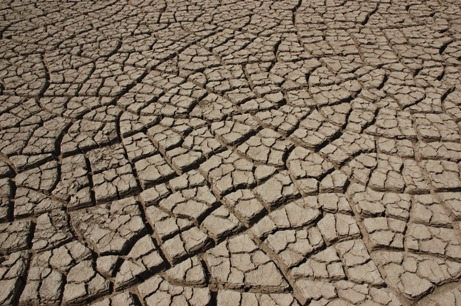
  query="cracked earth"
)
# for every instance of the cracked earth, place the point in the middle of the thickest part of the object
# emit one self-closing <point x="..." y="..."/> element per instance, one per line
<point x="294" y="152"/>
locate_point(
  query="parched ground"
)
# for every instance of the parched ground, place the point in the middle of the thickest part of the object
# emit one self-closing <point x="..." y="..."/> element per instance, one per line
<point x="230" y="152"/>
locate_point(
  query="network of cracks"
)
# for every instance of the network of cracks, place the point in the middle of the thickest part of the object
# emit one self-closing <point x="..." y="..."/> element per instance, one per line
<point x="215" y="152"/>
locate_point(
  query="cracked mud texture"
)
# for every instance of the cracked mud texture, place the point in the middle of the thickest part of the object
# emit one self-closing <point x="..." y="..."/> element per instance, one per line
<point x="223" y="152"/>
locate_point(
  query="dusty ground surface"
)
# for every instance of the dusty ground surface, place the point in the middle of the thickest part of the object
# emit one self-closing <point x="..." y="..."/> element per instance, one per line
<point x="230" y="153"/>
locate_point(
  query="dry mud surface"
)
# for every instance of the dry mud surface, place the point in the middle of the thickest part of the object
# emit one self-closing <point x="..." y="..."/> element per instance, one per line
<point x="230" y="152"/>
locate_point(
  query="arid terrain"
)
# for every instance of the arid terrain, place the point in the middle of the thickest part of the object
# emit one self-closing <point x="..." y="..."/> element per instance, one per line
<point x="230" y="153"/>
